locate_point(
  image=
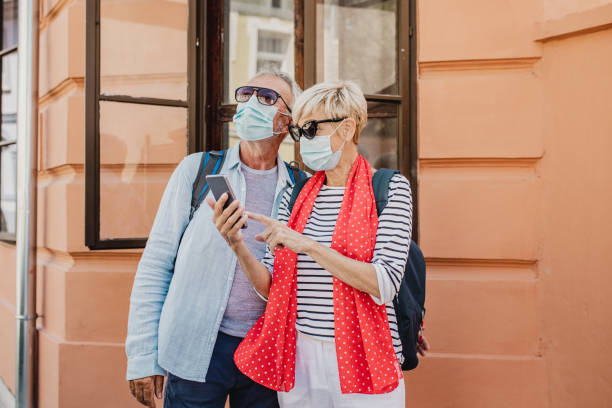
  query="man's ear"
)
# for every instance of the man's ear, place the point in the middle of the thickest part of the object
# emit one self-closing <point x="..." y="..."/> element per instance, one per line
<point x="286" y="116"/>
<point x="283" y="122"/>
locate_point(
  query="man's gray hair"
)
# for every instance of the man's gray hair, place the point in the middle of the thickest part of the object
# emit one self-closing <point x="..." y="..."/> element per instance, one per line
<point x="295" y="88"/>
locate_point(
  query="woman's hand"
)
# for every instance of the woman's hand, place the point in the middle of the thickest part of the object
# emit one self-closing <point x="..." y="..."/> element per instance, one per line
<point x="278" y="235"/>
<point x="228" y="221"/>
<point x="360" y="275"/>
<point x="422" y="346"/>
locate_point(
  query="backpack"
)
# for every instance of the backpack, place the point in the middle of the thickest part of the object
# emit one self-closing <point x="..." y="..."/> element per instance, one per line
<point x="210" y="163"/>
<point x="409" y="303"/>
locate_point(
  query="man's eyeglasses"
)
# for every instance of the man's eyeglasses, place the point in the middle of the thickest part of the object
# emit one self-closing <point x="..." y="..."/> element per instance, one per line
<point x="265" y="96"/>
<point x="308" y="129"/>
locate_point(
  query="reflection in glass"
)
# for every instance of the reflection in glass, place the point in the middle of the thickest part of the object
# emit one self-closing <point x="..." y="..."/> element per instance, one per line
<point x="140" y="145"/>
<point x="260" y="36"/>
<point x="9" y="97"/>
<point x="8" y="188"/>
<point x="378" y="140"/>
<point x="9" y="23"/>
<point x="143" y="48"/>
<point x="357" y="40"/>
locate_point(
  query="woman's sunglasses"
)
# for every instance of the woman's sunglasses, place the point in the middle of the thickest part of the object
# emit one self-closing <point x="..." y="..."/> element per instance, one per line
<point x="265" y="96"/>
<point x="308" y="129"/>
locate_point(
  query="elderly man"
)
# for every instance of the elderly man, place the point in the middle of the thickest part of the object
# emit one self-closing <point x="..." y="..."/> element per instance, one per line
<point x="191" y="304"/>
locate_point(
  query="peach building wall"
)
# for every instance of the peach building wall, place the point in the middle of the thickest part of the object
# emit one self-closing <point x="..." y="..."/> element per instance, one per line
<point x="514" y="137"/>
<point x="514" y="124"/>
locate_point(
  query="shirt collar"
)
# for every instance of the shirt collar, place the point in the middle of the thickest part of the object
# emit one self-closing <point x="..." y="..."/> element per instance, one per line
<point x="233" y="160"/>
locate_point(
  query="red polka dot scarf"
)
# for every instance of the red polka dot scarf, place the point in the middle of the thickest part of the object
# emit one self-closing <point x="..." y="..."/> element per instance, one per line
<point x="366" y="359"/>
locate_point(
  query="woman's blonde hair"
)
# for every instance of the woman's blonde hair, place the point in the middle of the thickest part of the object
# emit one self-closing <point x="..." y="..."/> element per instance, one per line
<point x="341" y="99"/>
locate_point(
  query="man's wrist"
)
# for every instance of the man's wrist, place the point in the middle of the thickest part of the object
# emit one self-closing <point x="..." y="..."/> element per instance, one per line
<point x="238" y="247"/>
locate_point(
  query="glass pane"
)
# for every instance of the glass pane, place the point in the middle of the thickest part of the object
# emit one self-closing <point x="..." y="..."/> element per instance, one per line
<point x="286" y="149"/>
<point x="9" y="24"/>
<point x="378" y="140"/>
<point x="260" y="36"/>
<point x="8" y="188"/>
<point x="357" y="40"/>
<point x="140" y="146"/>
<point x="9" y="97"/>
<point x="144" y="48"/>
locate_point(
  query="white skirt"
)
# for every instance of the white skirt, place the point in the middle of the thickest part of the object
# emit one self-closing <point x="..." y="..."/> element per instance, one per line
<point x="317" y="381"/>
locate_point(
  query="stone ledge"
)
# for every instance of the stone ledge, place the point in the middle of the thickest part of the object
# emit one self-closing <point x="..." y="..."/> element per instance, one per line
<point x="584" y="22"/>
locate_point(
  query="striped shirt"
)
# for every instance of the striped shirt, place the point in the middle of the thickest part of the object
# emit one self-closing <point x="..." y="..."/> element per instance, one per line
<point x="315" y="305"/>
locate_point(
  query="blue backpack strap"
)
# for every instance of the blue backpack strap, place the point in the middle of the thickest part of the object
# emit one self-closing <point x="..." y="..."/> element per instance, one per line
<point x="210" y="163"/>
<point x="380" y="185"/>
<point x="294" y="171"/>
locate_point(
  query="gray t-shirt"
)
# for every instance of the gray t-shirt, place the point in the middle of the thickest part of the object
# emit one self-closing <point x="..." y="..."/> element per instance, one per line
<point x="244" y="306"/>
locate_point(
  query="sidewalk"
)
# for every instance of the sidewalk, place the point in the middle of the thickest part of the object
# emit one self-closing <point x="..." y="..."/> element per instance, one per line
<point x="7" y="399"/>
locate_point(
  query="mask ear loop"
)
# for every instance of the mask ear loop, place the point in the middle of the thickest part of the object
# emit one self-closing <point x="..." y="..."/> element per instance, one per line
<point x="282" y="113"/>
<point x="345" y="139"/>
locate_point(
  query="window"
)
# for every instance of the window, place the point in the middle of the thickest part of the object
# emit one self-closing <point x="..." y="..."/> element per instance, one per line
<point x="359" y="41"/>
<point x="160" y="84"/>
<point x="140" y="119"/>
<point x="261" y="35"/>
<point x="370" y="42"/>
<point x="8" y="120"/>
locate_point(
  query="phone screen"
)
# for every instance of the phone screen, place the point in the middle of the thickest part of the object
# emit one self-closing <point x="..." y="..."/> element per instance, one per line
<point x="220" y="184"/>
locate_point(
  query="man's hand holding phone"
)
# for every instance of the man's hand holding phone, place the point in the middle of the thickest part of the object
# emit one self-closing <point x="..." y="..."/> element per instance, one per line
<point x="230" y="220"/>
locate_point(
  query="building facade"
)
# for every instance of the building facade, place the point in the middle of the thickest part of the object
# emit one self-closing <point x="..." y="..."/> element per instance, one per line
<point x="500" y="114"/>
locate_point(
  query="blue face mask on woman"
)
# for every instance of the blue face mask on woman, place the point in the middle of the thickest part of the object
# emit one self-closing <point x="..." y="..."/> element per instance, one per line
<point x="317" y="152"/>
<point x="255" y="121"/>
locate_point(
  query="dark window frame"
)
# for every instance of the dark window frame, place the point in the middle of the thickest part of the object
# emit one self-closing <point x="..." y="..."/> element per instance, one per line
<point x="218" y="112"/>
<point x="5" y="236"/>
<point x="195" y="131"/>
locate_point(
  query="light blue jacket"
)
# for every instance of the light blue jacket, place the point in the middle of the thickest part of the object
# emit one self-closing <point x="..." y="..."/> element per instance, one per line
<point x="179" y="297"/>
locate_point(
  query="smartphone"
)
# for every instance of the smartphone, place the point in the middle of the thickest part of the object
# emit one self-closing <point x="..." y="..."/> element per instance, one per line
<point x="219" y="184"/>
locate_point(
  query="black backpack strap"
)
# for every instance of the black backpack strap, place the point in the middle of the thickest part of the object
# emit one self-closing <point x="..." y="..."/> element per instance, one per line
<point x="409" y="306"/>
<point x="210" y="163"/>
<point x="297" y="187"/>
<point x="380" y="185"/>
<point x="294" y="171"/>
<point x="410" y="299"/>
<point x="416" y="262"/>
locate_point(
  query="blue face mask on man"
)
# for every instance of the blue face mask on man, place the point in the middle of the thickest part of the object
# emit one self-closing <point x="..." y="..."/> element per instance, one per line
<point x="255" y="121"/>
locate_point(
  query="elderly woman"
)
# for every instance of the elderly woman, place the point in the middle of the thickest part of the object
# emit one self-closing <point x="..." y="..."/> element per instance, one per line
<point x="329" y="336"/>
